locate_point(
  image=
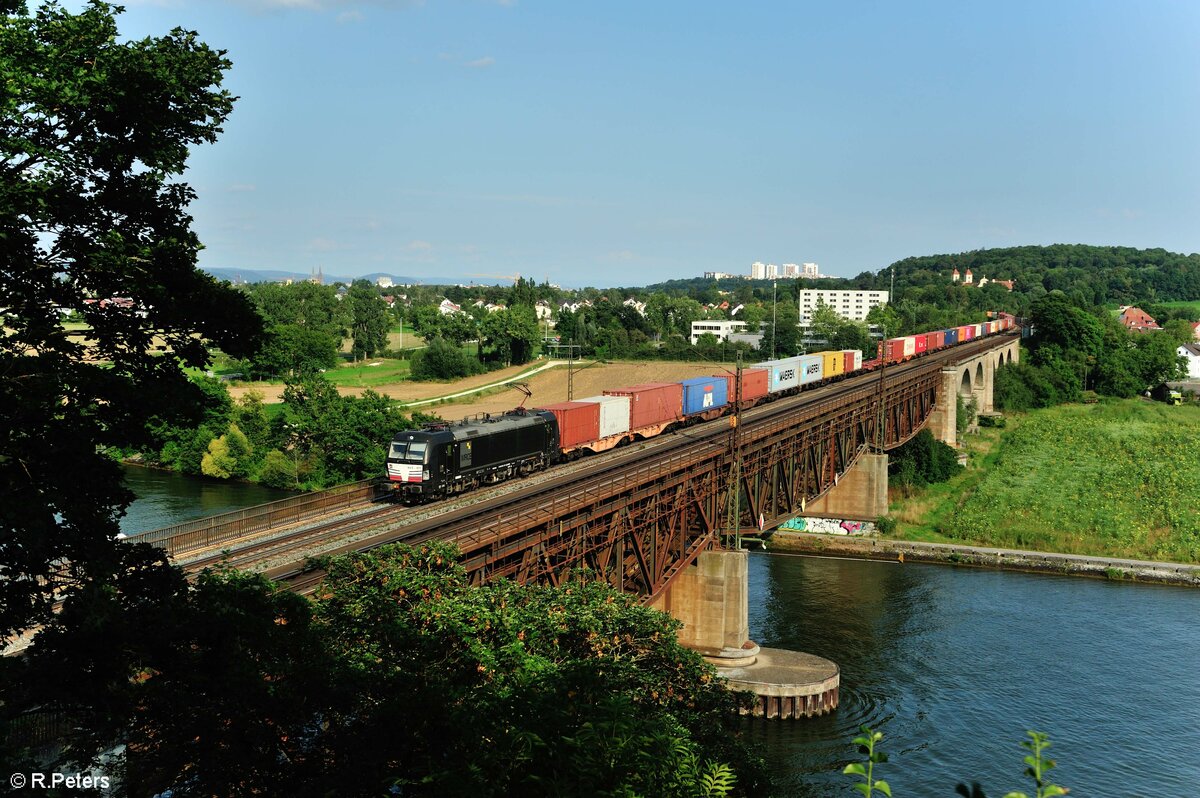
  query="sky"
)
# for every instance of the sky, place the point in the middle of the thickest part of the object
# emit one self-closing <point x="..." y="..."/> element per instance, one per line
<point x="625" y="143"/>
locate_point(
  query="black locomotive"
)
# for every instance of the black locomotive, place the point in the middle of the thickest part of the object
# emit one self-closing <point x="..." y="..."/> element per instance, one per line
<point x="445" y="459"/>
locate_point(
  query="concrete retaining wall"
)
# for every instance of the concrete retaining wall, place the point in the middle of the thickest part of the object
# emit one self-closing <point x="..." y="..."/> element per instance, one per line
<point x="1011" y="559"/>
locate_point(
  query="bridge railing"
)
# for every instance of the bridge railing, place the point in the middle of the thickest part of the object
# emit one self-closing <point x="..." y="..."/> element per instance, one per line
<point x="215" y="529"/>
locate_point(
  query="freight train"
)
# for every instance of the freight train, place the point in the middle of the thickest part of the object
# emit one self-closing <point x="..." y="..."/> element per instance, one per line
<point x="446" y="459"/>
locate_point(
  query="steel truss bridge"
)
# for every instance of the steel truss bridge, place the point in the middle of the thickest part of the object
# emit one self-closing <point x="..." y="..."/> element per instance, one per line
<point x="637" y="520"/>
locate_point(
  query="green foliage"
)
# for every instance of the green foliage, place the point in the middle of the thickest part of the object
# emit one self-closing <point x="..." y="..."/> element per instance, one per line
<point x="1115" y="478"/>
<point x="922" y="461"/>
<point x="886" y="525"/>
<point x="512" y="334"/>
<point x="399" y="673"/>
<point x="278" y="471"/>
<point x="1036" y="767"/>
<point x="227" y="456"/>
<point x="965" y="410"/>
<point x="1021" y="386"/>
<point x="442" y="360"/>
<point x="866" y="746"/>
<point x="294" y="350"/>
<point x="369" y="319"/>
<point x="335" y="438"/>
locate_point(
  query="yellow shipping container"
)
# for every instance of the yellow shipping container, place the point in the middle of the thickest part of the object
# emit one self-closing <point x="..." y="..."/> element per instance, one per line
<point x="835" y="364"/>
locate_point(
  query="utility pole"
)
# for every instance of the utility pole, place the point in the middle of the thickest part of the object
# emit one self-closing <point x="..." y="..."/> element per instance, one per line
<point x="882" y="414"/>
<point x="570" y="369"/>
<point x="733" y="520"/>
<point x="774" y="326"/>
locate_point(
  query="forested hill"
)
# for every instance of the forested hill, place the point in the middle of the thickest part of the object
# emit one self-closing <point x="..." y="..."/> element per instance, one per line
<point x="1090" y="275"/>
<point x="1094" y="275"/>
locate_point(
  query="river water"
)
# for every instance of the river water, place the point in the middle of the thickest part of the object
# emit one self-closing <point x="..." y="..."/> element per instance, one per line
<point x="954" y="664"/>
<point x="165" y="498"/>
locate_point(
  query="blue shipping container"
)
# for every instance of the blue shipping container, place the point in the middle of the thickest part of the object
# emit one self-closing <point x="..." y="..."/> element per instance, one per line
<point x="704" y="393"/>
<point x="951" y="336"/>
<point x="812" y="369"/>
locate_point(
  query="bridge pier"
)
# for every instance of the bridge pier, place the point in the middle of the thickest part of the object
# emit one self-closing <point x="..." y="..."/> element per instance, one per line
<point x="861" y="494"/>
<point x="943" y="421"/>
<point x="711" y="598"/>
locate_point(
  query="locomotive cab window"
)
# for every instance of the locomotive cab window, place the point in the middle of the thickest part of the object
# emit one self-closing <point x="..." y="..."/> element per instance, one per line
<point x="399" y="448"/>
<point x="416" y="452"/>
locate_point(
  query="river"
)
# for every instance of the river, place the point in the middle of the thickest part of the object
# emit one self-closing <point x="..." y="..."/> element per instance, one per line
<point x="165" y="498"/>
<point x="954" y="664"/>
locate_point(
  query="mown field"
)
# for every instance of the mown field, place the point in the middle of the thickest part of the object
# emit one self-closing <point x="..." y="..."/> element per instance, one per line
<point x="1119" y="478"/>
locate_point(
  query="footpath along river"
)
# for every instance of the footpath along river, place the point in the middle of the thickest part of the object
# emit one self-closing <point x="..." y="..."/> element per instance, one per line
<point x="954" y="664"/>
<point x="951" y="664"/>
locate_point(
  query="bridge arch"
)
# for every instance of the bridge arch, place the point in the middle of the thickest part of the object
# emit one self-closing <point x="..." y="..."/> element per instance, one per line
<point x="964" y="388"/>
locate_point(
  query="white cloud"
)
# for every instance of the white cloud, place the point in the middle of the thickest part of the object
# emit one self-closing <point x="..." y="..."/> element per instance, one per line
<point x="481" y="63"/>
<point x="353" y="15"/>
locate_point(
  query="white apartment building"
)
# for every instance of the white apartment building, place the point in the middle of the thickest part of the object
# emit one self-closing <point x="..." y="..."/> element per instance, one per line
<point x="810" y="271"/>
<point x="721" y="329"/>
<point x="853" y="305"/>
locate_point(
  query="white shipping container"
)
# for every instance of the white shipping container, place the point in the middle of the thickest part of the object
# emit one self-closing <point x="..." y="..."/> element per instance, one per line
<point x="812" y="368"/>
<point x="614" y="414"/>
<point x="783" y="373"/>
<point x="910" y="345"/>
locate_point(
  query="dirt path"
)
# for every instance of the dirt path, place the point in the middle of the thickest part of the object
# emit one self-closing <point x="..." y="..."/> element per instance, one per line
<point x="549" y="385"/>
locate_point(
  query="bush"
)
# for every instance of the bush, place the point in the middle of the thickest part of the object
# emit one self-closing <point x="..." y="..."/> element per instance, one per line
<point x="442" y="360"/>
<point x="278" y="471"/>
<point x="922" y="461"/>
<point x="886" y="525"/>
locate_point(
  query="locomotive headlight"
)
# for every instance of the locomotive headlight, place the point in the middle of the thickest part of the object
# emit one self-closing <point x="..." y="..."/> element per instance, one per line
<point x="425" y="474"/>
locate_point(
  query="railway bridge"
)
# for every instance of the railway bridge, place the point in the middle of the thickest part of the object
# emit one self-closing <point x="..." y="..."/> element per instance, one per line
<point x="652" y="519"/>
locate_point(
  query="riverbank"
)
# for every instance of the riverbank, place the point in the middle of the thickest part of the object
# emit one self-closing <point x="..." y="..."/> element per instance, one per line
<point x="1115" y="479"/>
<point x="891" y="550"/>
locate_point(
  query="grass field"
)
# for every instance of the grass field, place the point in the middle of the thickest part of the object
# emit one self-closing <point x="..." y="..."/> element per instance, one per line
<point x="1119" y="478"/>
<point x="369" y="373"/>
<point x="1194" y="307"/>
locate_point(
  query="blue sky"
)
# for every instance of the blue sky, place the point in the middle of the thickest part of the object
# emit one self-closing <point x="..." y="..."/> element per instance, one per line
<point x="622" y="143"/>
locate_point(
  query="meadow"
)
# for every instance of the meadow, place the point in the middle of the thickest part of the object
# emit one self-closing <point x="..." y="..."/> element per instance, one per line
<point x="1118" y="478"/>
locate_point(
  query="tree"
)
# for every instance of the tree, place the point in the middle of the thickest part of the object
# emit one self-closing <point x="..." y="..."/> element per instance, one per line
<point x="94" y="132"/>
<point x="369" y="327"/>
<point x="441" y="360"/>
<point x="513" y="333"/>
<point x="292" y="350"/>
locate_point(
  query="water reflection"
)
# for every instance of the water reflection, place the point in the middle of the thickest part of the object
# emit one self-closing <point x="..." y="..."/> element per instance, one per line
<point x="954" y="664"/>
<point x="165" y="498"/>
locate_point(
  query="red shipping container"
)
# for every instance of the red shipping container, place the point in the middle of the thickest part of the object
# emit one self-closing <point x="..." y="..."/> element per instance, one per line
<point x="754" y="384"/>
<point x="893" y="350"/>
<point x="652" y="403"/>
<point x="920" y="344"/>
<point x="934" y="340"/>
<point x="848" y="366"/>
<point x="578" y="422"/>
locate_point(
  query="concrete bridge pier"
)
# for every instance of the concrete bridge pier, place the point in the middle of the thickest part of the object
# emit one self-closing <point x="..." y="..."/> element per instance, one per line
<point x="711" y="598"/>
<point x="861" y="494"/>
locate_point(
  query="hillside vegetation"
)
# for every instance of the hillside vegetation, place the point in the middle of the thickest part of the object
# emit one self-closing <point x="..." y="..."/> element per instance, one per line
<point x="1114" y="479"/>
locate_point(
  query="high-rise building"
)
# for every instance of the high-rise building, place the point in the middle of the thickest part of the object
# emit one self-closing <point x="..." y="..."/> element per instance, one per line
<point x="791" y="270"/>
<point x="810" y="271"/>
<point x="772" y="271"/>
<point x="853" y="305"/>
<point x="758" y="270"/>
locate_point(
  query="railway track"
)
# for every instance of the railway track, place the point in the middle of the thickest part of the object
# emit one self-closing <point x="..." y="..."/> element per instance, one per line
<point x="486" y="518"/>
